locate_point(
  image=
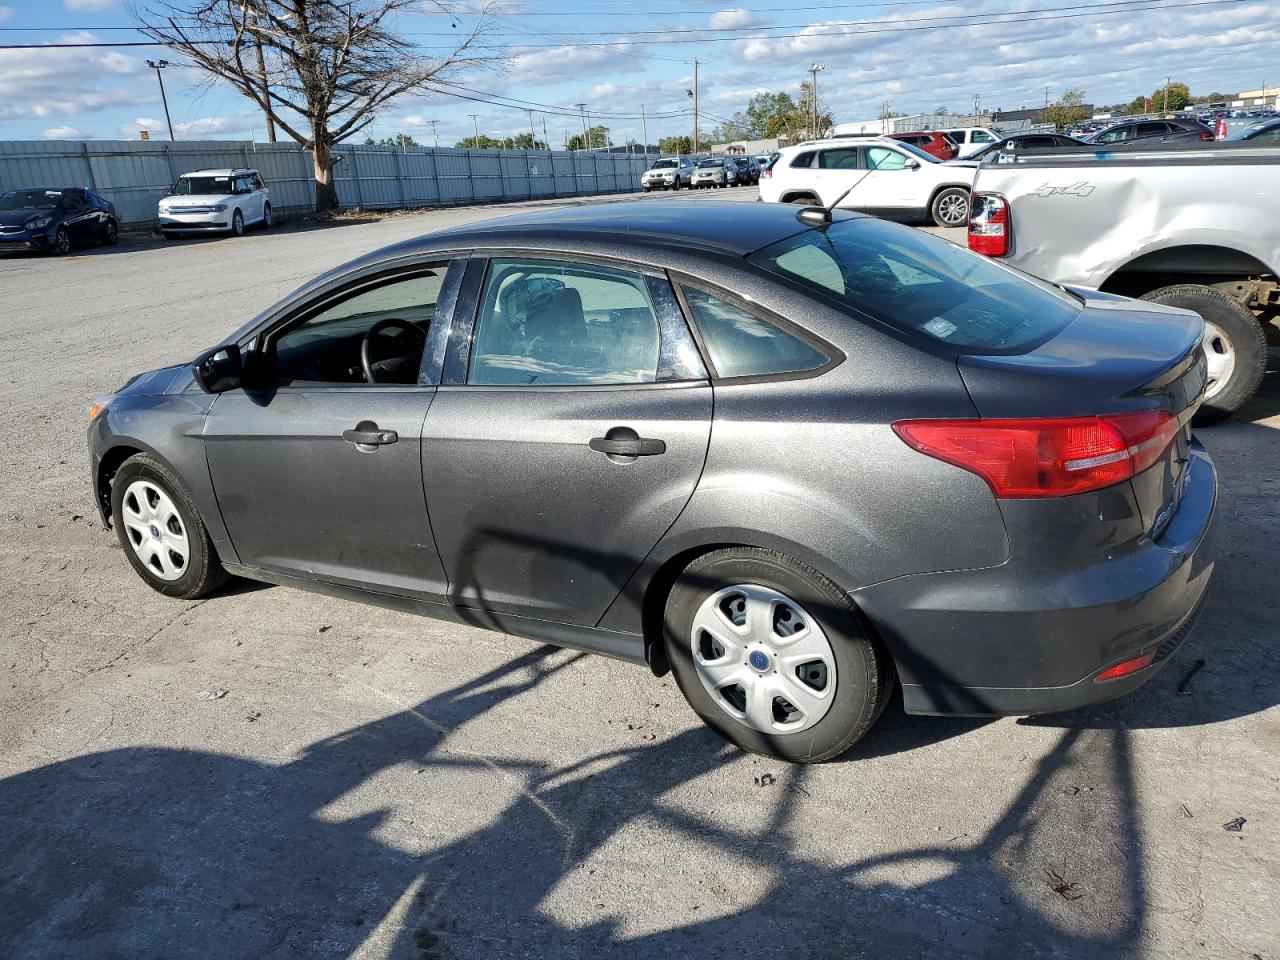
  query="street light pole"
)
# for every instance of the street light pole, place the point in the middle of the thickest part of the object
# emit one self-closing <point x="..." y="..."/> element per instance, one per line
<point x="813" y="70"/>
<point x="157" y="66"/>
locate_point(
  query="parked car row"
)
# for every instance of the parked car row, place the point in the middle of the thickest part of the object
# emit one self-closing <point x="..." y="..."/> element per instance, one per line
<point x="56" y="219"/>
<point x="674" y="173"/>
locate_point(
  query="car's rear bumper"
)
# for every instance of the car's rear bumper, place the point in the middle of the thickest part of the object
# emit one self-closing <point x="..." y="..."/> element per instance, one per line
<point x="1020" y="639"/>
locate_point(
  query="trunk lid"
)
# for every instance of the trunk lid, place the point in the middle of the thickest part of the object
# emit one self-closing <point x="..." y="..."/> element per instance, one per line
<point x="1119" y="355"/>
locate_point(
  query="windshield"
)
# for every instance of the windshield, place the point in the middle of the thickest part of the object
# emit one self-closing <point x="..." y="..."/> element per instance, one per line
<point x="917" y="152"/>
<point x="923" y="285"/>
<point x="187" y="186"/>
<point x="1252" y="130"/>
<point x="711" y="163"/>
<point x="664" y="165"/>
<point x="30" y="199"/>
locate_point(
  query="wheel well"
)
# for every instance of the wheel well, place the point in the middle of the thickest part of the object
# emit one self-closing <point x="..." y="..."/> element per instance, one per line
<point x="107" y="467"/>
<point x="947" y="186"/>
<point x="1193" y="263"/>
<point x="655" y="603"/>
<point x="796" y="195"/>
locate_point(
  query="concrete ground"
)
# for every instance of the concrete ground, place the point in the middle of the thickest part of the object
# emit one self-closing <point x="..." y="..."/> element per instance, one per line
<point x="274" y="774"/>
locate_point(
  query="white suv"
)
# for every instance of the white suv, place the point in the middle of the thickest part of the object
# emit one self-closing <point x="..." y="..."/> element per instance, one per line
<point x="881" y="176"/>
<point x="208" y="201"/>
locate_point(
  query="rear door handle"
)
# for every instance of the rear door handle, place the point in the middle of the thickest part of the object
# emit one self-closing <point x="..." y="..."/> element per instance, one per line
<point x="367" y="433"/>
<point x="638" y="447"/>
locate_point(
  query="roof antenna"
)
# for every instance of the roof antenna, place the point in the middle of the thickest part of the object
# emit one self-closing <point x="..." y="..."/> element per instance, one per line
<point x="820" y="216"/>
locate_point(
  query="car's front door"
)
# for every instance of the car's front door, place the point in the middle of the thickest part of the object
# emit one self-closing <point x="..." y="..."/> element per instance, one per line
<point x="569" y="432"/>
<point x="78" y="217"/>
<point x="893" y="182"/>
<point x="318" y="468"/>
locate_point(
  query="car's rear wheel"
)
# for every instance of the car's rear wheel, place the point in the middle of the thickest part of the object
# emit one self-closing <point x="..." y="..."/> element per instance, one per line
<point x="950" y="207"/>
<point x="161" y="531"/>
<point x="1235" y="347"/>
<point x="268" y="219"/>
<point x="61" y="242"/>
<point x="773" y="655"/>
<point x="110" y="233"/>
<point x="237" y="224"/>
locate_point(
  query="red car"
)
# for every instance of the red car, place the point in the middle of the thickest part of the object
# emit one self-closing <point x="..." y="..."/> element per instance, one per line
<point x="930" y="142"/>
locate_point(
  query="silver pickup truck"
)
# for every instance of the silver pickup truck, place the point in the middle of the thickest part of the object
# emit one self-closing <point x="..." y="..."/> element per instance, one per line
<point x="1197" y="228"/>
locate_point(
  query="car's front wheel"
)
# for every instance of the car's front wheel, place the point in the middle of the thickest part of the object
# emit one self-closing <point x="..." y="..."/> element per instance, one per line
<point x="237" y="224"/>
<point x="951" y="207"/>
<point x="268" y="219"/>
<point x="110" y="233"/>
<point x="773" y="655"/>
<point x="61" y="242"/>
<point x="161" y="531"/>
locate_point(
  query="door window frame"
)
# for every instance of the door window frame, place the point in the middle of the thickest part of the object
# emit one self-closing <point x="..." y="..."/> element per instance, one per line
<point x="262" y="338"/>
<point x="680" y="361"/>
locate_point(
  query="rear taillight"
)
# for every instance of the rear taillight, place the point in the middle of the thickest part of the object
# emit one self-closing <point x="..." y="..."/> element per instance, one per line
<point x="989" y="224"/>
<point x="1206" y="135"/>
<point x="1126" y="667"/>
<point x="1220" y="131"/>
<point x="1032" y="459"/>
<point x="766" y="174"/>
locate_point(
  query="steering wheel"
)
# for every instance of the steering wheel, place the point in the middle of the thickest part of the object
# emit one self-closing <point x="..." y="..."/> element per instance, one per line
<point x="366" y="344"/>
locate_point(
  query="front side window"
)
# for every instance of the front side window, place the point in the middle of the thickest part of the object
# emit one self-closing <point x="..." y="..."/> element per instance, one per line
<point x="388" y="322"/>
<point x="980" y="137"/>
<point x="1116" y="135"/>
<point x="923" y="285"/>
<point x="740" y="343"/>
<point x="882" y="158"/>
<point x="551" y="323"/>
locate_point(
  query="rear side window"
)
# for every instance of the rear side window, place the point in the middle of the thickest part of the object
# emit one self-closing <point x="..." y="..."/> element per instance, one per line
<point x="843" y="159"/>
<point x="803" y="160"/>
<point x="741" y="343"/>
<point x="923" y="285"/>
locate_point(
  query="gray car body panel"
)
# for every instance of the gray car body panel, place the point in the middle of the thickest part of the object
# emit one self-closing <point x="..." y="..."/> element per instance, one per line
<point x="806" y="465"/>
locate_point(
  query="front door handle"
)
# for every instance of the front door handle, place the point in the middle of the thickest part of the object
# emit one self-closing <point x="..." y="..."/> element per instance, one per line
<point x="628" y="446"/>
<point x="368" y="434"/>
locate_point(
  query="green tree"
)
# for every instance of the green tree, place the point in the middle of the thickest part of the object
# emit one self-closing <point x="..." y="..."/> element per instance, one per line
<point x="764" y="113"/>
<point x="676" y="146"/>
<point x="599" y="138"/>
<point x="1068" y="110"/>
<point x="483" y="142"/>
<point x="1174" y="97"/>
<point x="524" y="141"/>
<point x="399" y="140"/>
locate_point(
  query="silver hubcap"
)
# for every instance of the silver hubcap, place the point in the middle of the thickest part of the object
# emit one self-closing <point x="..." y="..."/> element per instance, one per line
<point x="763" y="659"/>
<point x="155" y="530"/>
<point x="953" y="209"/>
<point x="1220" y="357"/>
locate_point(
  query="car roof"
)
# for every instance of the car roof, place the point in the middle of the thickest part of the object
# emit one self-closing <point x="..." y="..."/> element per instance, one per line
<point x="734" y="228"/>
<point x="220" y="172"/>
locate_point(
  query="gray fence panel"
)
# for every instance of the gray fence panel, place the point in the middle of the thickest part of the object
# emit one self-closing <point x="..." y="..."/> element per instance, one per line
<point x="135" y="174"/>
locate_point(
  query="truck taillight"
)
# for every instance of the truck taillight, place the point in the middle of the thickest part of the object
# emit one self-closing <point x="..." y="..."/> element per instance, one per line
<point x="989" y="224"/>
<point x="766" y="174"/>
<point x="1220" y="131"/>
<point x="1048" y="457"/>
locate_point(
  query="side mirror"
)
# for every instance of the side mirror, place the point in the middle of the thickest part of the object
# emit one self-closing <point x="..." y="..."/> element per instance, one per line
<point x="913" y="164"/>
<point x="220" y="369"/>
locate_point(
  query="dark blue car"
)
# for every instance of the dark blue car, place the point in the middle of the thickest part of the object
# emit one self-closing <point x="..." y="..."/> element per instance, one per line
<point x="55" y="219"/>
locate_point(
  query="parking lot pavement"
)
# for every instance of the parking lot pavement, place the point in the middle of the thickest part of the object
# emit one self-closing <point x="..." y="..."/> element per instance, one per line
<point x="273" y="774"/>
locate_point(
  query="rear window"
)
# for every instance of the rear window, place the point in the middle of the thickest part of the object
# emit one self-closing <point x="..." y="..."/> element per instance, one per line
<point x="741" y="343"/>
<point x="924" y="285"/>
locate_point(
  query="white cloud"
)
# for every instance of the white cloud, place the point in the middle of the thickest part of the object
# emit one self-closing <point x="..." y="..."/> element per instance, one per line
<point x="732" y="18"/>
<point x="65" y="83"/>
<point x="62" y="133"/>
<point x="89" y="6"/>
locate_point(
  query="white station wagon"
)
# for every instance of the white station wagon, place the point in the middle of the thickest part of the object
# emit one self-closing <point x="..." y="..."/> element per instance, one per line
<point x="215" y="201"/>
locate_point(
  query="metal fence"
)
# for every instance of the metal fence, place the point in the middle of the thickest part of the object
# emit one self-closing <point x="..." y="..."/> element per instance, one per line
<point x="135" y="174"/>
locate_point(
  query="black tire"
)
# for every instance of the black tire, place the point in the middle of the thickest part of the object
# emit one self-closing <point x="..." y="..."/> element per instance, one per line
<point x="803" y="199"/>
<point x="168" y="234"/>
<point x="237" y="224"/>
<point x="646" y="189"/>
<point x="1243" y="334"/>
<point x="950" y="208"/>
<point x="864" y="675"/>
<point x="110" y="233"/>
<point x="204" y="572"/>
<point x="61" y="245"/>
<point x="267" y="221"/>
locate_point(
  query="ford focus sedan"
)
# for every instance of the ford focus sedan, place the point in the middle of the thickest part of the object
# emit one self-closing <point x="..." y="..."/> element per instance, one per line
<point x="799" y="460"/>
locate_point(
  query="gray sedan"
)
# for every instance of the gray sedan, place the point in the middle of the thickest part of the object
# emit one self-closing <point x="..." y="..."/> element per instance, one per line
<point x="799" y="461"/>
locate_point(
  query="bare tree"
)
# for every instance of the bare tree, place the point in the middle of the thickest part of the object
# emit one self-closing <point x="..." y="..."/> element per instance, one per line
<point x="320" y="69"/>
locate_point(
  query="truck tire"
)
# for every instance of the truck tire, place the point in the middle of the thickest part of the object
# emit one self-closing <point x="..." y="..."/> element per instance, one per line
<point x="1234" y="342"/>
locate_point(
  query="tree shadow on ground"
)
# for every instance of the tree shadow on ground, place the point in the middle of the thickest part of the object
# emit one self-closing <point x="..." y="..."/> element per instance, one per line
<point x="152" y="852"/>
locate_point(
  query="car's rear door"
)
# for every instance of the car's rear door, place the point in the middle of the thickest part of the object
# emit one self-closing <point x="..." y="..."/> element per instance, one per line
<point x="569" y="431"/>
<point x="318" y="472"/>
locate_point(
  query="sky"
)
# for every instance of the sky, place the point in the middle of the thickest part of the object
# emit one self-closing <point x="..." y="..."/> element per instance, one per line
<point x="619" y="55"/>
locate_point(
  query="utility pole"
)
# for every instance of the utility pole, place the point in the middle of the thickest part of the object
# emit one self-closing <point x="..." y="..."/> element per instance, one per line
<point x="977" y="108"/>
<point x="1046" y="98"/>
<point x="157" y="66"/>
<point x="586" y="140"/>
<point x="434" y="135"/>
<point x="695" y="108"/>
<point x="644" y="124"/>
<point x="1167" y="81"/>
<point x="813" y="70"/>
<point x="476" y="126"/>
<point x="533" y="137"/>
<point x="545" y="138"/>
